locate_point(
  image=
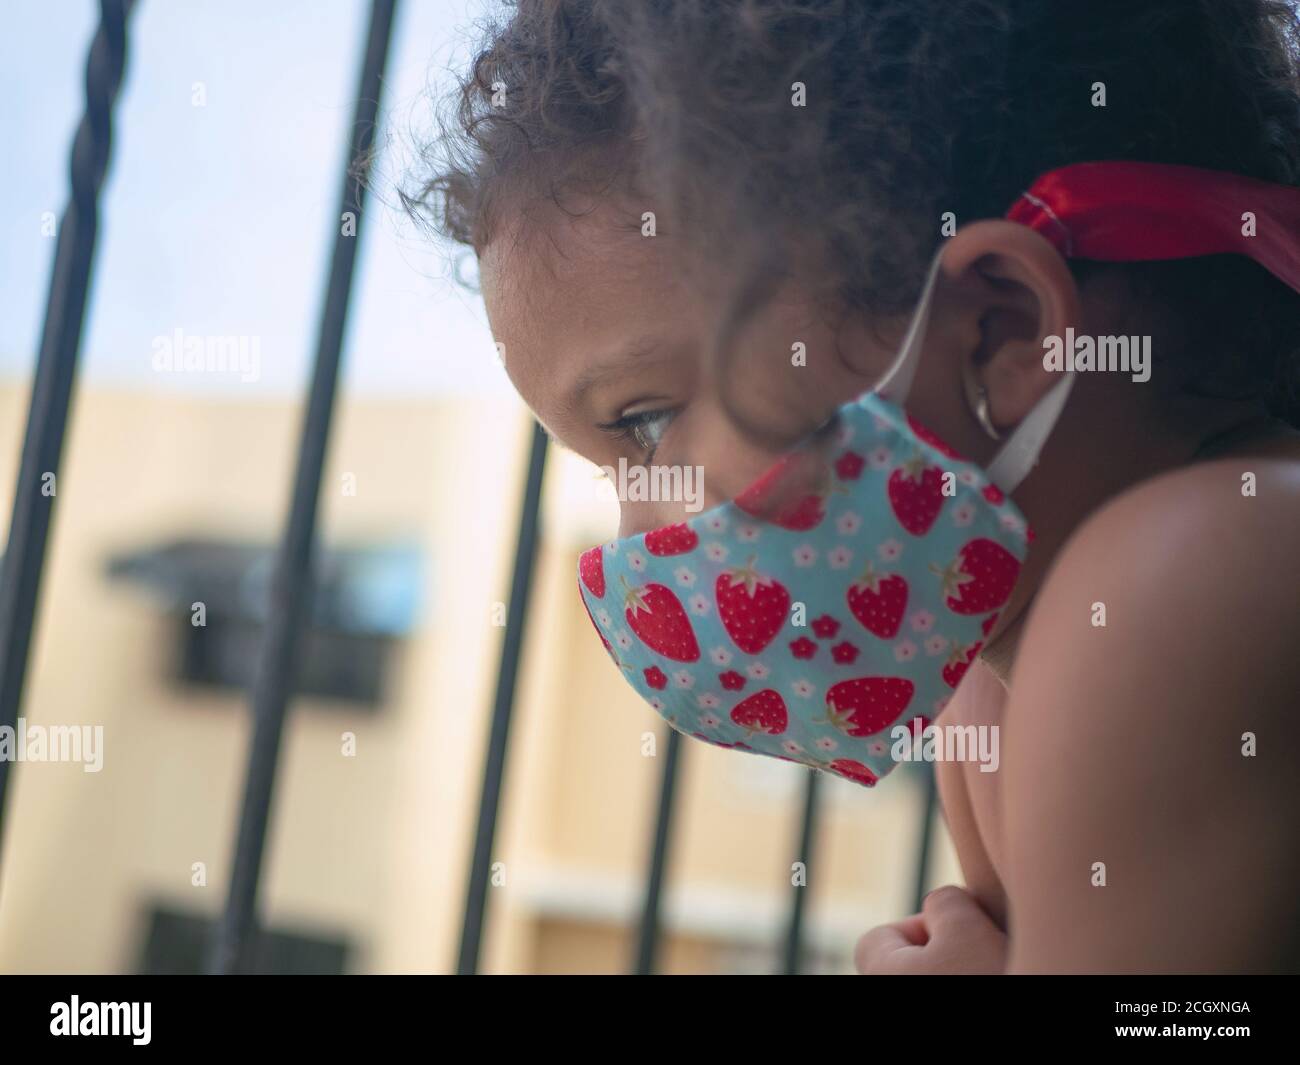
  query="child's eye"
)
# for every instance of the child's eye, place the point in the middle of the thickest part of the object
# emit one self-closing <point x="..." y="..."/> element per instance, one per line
<point x="645" y="428"/>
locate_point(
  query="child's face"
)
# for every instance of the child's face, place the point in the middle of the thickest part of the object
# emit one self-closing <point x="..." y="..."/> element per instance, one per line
<point x="610" y="343"/>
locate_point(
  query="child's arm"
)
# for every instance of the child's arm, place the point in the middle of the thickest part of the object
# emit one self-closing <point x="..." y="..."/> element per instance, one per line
<point x="969" y="797"/>
<point x="1123" y="753"/>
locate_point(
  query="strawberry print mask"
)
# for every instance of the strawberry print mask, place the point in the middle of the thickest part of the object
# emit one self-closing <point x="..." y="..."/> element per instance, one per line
<point x="812" y="629"/>
<point x="809" y="629"/>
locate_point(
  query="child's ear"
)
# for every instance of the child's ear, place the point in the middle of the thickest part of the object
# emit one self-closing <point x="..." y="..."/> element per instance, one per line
<point x="1024" y="293"/>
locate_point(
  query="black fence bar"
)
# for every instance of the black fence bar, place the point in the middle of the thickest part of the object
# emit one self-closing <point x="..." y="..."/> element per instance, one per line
<point x="647" y="946"/>
<point x="494" y="763"/>
<point x="291" y="585"/>
<point x="798" y="901"/>
<point x="929" y="809"/>
<point x="56" y="367"/>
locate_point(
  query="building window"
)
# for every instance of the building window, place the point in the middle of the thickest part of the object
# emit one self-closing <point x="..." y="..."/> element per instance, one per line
<point x="178" y="944"/>
<point x="366" y="602"/>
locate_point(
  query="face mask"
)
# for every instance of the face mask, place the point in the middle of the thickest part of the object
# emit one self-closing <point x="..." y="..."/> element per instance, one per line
<point x="845" y="612"/>
<point x="826" y="631"/>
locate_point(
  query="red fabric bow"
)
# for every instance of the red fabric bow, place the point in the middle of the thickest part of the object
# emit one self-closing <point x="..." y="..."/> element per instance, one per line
<point x="1129" y="212"/>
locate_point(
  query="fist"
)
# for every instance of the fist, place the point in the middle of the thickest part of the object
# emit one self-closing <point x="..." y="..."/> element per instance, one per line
<point x="951" y="935"/>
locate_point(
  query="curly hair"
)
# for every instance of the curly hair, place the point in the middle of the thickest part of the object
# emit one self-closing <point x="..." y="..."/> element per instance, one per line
<point x="912" y="108"/>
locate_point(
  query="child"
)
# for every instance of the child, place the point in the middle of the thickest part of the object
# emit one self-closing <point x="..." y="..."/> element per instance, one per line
<point x="701" y="227"/>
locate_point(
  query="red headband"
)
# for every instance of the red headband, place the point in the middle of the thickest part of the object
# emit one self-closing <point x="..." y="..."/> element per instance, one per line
<point x="1129" y="212"/>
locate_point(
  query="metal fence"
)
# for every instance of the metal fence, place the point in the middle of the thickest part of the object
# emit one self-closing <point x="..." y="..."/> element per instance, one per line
<point x="23" y="563"/>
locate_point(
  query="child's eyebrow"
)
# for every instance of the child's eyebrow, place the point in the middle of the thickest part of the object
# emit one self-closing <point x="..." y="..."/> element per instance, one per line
<point x="608" y="367"/>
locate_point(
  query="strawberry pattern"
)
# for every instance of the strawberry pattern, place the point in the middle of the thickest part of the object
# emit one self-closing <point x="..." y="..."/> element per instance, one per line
<point x="916" y="494"/>
<point x="752" y="607"/>
<point x="806" y="626"/>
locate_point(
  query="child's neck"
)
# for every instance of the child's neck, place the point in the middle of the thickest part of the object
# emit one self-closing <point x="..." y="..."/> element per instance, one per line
<point x="999" y="655"/>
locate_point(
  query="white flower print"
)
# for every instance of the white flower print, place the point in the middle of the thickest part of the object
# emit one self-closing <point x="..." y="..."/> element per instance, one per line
<point x="825" y="743"/>
<point x="878" y="749"/>
<point x="904" y="650"/>
<point x="720" y="656"/>
<point x="969" y="477"/>
<point x="791" y="748"/>
<point x="698" y="604"/>
<point x="636" y="560"/>
<point x="602" y="615"/>
<point x="848" y="523"/>
<point x="757" y="671"/>
<point x="840" y="558"/>
<point x="623" y="639"/>
<point x="922" y="621"/>
<point x="709" y="701"/>
<point x="685" y="577"/>
<point x="747" y="534"/>
<point x="963" y="515"/>
<point x="803" y="689"/>
<point x="880" y="458"/>
<point x="683" y="679"/>
<point x="612" y="547"/>
<point x="936" y="645"/>
<point x="1010" y="522"/>
<point x="658" y="704"/>
<point x="715" y="552"/>
<point x="844" y="435"/>
<point x="890" y="550"/>
<point x="715" y="523"/>
<point x="804" y="556"/>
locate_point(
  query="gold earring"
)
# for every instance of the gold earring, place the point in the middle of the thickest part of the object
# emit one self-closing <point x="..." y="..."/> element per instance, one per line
<point x="981" y="412"/>
<point x="977" y="399"/>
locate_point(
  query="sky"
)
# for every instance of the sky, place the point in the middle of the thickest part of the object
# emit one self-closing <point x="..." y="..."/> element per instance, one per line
<point x="216" y="220"/>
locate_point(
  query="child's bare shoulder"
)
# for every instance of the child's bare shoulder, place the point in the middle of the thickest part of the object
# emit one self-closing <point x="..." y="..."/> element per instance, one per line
<point x="1187" y="584"/>
<point x="1229" y="526"/>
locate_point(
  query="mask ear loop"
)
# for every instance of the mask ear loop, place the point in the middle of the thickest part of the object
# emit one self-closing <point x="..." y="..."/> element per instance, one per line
<point x="897" y="382"/>
<point x="1020" y="453"/>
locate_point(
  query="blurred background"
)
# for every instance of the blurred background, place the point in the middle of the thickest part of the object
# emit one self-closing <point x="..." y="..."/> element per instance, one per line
<point x="217" y="220"/>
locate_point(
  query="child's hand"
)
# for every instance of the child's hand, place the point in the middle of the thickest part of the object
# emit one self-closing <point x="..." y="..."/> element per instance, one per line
<point x="951" y="935"/>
